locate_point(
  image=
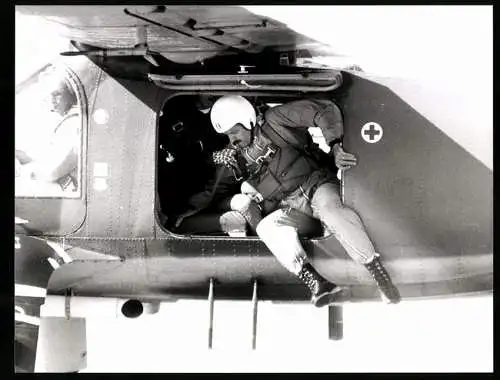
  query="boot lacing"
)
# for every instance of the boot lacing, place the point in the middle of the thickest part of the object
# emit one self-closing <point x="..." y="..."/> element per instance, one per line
<point x="379" y="273"/>
<point x="389" y="292"/>
<point x="308" y="278"/>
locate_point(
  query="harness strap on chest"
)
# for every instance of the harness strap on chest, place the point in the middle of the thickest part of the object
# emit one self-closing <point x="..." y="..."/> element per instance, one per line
<point x="270" y="152"/>
<point x="265" y="156"/>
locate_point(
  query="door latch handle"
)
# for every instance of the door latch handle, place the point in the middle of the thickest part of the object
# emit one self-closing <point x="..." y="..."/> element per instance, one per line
<point x="244" y="83"/>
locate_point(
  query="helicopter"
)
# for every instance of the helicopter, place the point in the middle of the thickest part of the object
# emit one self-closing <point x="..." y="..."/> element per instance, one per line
<point x="105" y="236"/>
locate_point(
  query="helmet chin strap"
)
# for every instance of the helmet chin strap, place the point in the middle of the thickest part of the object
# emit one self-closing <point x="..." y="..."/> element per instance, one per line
<point x="252" y="132"/>
<point x="260" y="119"/>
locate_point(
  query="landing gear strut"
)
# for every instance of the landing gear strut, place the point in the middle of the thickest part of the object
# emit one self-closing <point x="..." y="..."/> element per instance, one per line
<point x="211" y="314"/>
<point x="335" y="323"/>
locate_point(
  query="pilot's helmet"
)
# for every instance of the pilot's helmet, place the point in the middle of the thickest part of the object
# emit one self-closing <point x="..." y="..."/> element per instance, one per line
<point x="56" y="85"/>
<point x="231" y="110"/>
<point x="63" y="88"/>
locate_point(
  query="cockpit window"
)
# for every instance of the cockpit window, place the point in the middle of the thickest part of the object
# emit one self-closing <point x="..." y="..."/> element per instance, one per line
<point x="48" y="136"/>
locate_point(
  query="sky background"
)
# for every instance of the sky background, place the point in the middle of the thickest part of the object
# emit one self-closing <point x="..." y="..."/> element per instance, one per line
<point x="438" y="47"/>
<point x="445" y="52"/>
<point x="451" y="335"/>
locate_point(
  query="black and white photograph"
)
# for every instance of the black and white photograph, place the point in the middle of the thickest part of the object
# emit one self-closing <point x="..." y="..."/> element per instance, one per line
<point x="253" y="189"/>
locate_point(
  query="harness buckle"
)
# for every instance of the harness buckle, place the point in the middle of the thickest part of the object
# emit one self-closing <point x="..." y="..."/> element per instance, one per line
<point x="269" y="153"/>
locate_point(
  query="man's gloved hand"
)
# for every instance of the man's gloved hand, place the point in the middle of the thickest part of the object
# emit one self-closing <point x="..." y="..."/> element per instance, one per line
<point x="251" y="192"/>
<point x="228" y="158"/>
<point x="343" y="160"/>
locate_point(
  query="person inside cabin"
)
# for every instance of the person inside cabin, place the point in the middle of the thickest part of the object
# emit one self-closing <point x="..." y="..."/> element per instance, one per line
<point x="225" y="204"/>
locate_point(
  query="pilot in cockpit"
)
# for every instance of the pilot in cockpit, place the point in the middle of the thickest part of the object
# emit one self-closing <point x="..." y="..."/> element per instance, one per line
<point x="55" y="160"/>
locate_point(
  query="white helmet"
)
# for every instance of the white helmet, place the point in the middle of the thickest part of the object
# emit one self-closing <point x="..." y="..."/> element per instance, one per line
<point x="231" y="110"/>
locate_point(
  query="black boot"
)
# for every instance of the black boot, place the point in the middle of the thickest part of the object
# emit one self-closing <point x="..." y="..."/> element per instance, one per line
<point x="389" y="292"/>
<point x="323" y="292"/>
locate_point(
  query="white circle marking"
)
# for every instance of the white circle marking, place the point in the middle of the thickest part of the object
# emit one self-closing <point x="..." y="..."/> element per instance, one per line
<point x="372" y="132"/>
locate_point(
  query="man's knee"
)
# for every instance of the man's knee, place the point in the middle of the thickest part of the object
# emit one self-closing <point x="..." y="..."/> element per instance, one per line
<point x="260" y="229"/>
<point x="263" y="227"/>
<point x="326" y="197"/>
<point x="327" y="206"/>
<point x="233" y="223"/>
<point x="269" y="224"/>
<point x="240" y="202"/>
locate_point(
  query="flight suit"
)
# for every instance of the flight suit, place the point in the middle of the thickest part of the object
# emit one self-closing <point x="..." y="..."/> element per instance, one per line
<point x="294" y="179"/>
